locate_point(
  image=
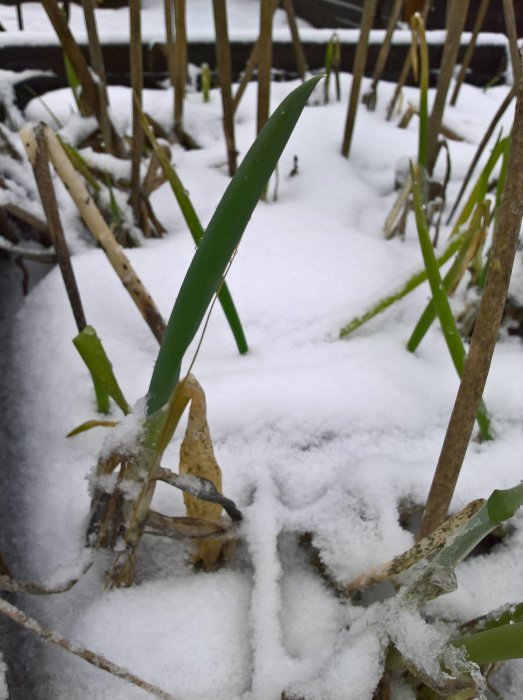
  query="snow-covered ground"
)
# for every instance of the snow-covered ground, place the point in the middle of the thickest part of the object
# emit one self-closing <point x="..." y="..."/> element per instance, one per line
<point x="313" y="434"/>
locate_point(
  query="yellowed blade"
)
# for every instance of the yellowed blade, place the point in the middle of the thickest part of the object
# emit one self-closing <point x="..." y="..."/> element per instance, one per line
<point x="197" y="458"/>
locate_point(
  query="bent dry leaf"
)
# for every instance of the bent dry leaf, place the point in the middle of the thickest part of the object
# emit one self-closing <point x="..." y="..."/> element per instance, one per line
<point x="197" y="458"/>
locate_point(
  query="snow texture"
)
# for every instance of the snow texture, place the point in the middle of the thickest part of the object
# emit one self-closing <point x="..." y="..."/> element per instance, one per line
<point x="315" y="436"/>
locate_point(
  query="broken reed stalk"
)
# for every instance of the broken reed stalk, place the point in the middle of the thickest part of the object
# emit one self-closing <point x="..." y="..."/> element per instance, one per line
<point x="299" y="53"/>
<point x="511" y="29"/>
<point x="486" y="137"/>
<point x="97" y="660"/>
<point x="97" y="63"/>
<point x="456" y="16"/>
<point x="99" y="228"/>
<point x="484" y="337"/>
<point x="467" y="58"/>
<point x="40" y="164"/>
<point x="358" y="70"/>
<point x="223" y="59"/>
<point x="180" y="66"/>
<point x="264" y="63"/>
<point x="76" y="57"/>
<point x="136" y="63"/>
<point x="405" y="69"/>
<point x="370" y="97"/>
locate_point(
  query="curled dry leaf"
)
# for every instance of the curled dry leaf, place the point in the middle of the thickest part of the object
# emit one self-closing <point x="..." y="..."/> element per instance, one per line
<point x="197" y="459"/>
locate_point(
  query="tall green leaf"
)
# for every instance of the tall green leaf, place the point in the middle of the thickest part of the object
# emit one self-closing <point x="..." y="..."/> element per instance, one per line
<point x="222" y="237"/>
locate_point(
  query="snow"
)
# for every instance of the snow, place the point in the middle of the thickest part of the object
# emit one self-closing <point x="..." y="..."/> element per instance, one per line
<point x="314" y="435"/>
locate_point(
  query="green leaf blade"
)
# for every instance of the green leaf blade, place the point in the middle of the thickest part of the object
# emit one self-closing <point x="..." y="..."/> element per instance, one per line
<point x="220" y="241"/>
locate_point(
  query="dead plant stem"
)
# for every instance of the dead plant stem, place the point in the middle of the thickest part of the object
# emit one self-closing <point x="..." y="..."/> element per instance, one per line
<point x="484" y="337"/>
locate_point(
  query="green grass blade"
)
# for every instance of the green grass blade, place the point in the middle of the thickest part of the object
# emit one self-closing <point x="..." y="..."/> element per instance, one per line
<point x="93" y="354"/>
<point x="450" y="279"/>
<point x="197" y="231"/>
<point x="480" y="189"/>
<point x="441" y="302"/>
<point x="497" y="644"/>
<point x="220" y="241"/>
<point x="410" y="285"/>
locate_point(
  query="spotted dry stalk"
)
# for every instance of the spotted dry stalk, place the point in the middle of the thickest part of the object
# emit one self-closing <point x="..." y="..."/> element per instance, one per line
<point x="484" y="337"/>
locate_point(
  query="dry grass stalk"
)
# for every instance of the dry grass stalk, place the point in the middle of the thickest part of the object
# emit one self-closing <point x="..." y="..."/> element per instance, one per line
<point x="97" y="62"/>
<point x="168" y="8"/>
<point x="223" y="56"/>
<point x="180" y="66"/>
<point x="405" y="70"/>
<point x="485" y="334"/>
<point x="467" y="58"/>
<point x="456" y="16"/>
<point x="299" y="53"/>
<point x="90" y="97"/>
<point x="370" y="97"/>
<point x="358" y="70"/>
<point x="136" y="62"/>
<point x="97" y="660"/>
<point x="264" y="63"/>
<point x="40" y="163"/>
<point x="511" y="29"/>
<point x="98" y="227"/>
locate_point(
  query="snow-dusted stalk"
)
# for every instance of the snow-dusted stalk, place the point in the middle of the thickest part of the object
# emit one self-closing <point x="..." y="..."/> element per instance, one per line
<point x="358" y="71"/>
<point x="486" y="138"/>
<point x="456" y="16"/>
<point x="440" y="299"/>
<point x="467" y="58"/>
<point x="223" y="56"/>
<point x="98" y="227"/>
<point x="485" y="334"/>
<point x="101" y="662"/>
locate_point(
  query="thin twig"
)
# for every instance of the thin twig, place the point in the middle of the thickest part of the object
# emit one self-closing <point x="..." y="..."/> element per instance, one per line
<point x="223" y="55"/>
<point x="511" y="29"/>
<point x="136" y="61"/>
<point x="29" y="623"/>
